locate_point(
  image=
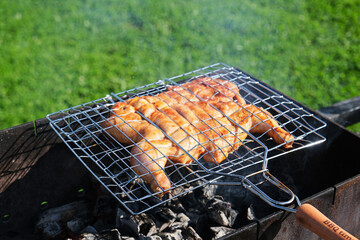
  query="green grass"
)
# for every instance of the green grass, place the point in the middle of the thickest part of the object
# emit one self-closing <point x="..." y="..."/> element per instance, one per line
<point x="58" y="54"/>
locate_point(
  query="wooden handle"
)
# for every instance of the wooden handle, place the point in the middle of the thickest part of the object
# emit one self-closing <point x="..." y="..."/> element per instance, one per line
<point x="311" y="218"/>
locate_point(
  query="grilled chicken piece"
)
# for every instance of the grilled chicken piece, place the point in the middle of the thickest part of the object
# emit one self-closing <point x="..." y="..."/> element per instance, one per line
<point x="239" y="118"/>
<point x="210" y="90"/>
<point x="124" y="124"/>
<point x="148" y="161"/>
<point x="127" y="127"/>
<point x="204" y="116"/>
<point x="264" y="122"/>
<point x="181" y="132"/>
<point x="210" y="132"/>
<point x="142" y="106"/>
<point x="230" y="126"/>
<point x="214" y="129"/>
<point x="217" y="136"/>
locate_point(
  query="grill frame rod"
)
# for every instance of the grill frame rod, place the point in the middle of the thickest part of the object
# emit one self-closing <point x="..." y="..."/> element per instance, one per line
<point x="82" y="139"/>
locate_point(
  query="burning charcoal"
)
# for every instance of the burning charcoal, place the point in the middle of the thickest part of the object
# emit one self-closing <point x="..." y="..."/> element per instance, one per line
<point x="165" y="214"/>
<point x="127" y="238"/>
<point x="112" y="234"/>
<point x="182" y="221"/>
<point x="221" y="231"/>
<point x="164" y="226"/>
<point x="63" y="214"/>
<point x="154" y="237"/>
<point x="88" y="236"/>
<point x="190" y="234"/>
<point x="176" y="206"/>
<point x="221" y="212"/>
<point x="195" y="215"/>
<point x="75" y="225"/>
<point x="181" y="217"/>
<point x="176" y="235"/>
<point x="171" y="220"/>
<point x="138" y="224"/>
<point x="189" y="200"/>
<point x="51" y="230"/>
<point x="206" y="193"/>
<point x="200" y="195"/>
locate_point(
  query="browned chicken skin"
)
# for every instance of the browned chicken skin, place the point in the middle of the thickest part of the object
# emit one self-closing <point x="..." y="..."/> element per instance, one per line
<point x="264" y="122"/>
<point x="203" y="117"/>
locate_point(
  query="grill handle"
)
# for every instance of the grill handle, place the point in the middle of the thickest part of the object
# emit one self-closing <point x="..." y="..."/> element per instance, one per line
<point x="306" y="215"/>
<point x="311" y="218"/>
<point x="246" y="183"/>
<point x="252" y="187"/>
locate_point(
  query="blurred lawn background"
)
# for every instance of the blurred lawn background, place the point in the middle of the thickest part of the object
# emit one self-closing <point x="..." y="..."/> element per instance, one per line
<point x="58" y="54"/>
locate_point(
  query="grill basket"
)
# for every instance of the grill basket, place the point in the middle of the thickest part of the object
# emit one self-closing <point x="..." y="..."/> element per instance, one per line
<point x="109" y="160"/>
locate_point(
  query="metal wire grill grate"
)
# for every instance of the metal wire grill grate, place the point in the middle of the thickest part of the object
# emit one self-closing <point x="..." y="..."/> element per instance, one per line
<point x="109" y="160"/>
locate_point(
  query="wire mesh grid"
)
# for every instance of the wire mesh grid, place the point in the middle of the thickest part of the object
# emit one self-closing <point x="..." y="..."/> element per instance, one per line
<point x="123" y="166"/>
